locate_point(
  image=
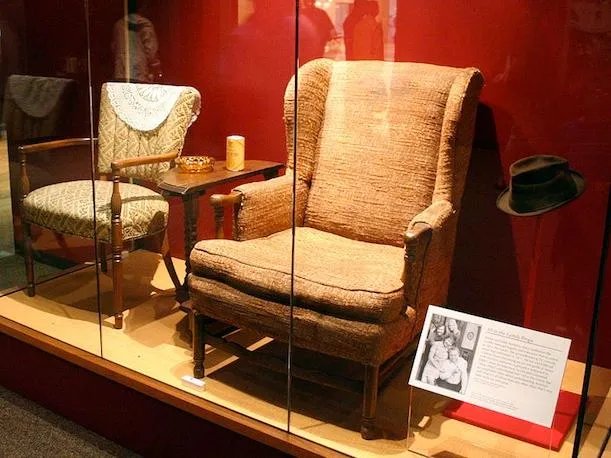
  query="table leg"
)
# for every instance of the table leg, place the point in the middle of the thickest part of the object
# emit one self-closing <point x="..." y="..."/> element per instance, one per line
<point x="191" y="209"/>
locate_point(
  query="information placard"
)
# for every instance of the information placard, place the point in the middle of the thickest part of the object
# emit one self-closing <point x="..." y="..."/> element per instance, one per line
<point x="498" y="366"/>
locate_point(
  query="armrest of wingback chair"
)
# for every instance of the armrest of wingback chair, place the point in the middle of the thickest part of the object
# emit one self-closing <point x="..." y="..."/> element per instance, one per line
<point x="261" y="208"/>
<point x="427" y="248"/>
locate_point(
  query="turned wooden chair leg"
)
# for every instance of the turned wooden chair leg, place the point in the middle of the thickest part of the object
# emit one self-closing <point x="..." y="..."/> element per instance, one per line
<point x="116" y="241"/>
<point x="117" y="285"/>
<point x="28" y="256"/>
<point x="370" y="402"/>
<point x="199" y="344"/>
<point x="117" y="274"/>
<point x="102" y="257"/>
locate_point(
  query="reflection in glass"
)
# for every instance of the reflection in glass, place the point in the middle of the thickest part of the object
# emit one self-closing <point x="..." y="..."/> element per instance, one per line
<point x="45" y="90"/>
<point x="34" y="108"/>
<point x="135" y="46"/>
<point x="319" y="18"/>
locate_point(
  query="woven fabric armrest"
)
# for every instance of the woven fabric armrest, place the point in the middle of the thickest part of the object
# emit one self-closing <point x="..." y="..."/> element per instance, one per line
<point x="267" y="207"/>
<point x="435" y="216"/>
<point x="429" y="246"/>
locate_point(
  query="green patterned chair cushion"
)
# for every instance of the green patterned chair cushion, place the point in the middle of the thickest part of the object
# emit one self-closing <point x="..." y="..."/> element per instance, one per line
<point x="68" y="208"/>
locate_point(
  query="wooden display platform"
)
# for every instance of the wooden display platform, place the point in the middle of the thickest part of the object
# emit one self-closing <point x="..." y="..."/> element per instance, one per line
<point x="153" y="352"/>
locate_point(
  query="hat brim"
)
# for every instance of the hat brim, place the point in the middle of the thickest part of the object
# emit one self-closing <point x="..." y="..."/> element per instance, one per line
<point x="502" y="202"/>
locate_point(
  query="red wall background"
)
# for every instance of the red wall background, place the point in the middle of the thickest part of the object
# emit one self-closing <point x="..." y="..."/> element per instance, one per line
<point x="548" y="88"/>
<point x="547" y="68"/>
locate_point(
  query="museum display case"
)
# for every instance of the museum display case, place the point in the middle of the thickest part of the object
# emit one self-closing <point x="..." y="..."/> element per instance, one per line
<point x="244" y="209"/>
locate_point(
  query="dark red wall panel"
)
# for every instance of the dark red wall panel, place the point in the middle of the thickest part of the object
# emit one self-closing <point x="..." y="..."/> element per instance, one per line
<point x="547" y="67"/>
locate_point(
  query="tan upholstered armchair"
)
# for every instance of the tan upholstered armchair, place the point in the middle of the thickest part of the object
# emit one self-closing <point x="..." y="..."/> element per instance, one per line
<point x="141" y="131"/>
<point x="382" y="156"/>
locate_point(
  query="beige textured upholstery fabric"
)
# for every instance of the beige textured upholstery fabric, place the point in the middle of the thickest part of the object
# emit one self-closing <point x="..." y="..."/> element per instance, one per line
<point x="434" y="283"/>
<point x="367" y="343"/>
<point x="67" y="208"/>
<point x="312" y="96"/>
<point x="378" y="148"/>
<point x="117" y="140"/>
<point x="267" y="207"/>
<point x="381" y="147"/>
<point x="333" y="275"/>
<point x="35" y="107"/>
<point x="457" y="136"/>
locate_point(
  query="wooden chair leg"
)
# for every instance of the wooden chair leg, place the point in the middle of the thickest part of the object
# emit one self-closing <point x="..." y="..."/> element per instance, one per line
<point x="117" y="274"/>
<point x="116" y="239"/>
<point x="370" y="402"/>
<point x="102" y="257"/>
<point x="117" y="285"/>
<point x="199" y="344"/>
<point x="29" y="261"/>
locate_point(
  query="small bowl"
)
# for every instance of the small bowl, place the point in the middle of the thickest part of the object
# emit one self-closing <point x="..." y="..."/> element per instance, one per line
<point x="195" y="164"/>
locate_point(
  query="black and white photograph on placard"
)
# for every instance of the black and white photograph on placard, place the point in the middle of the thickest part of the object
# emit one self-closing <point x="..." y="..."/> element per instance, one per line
<point x="448" y="355"/>
<point x="498" y="366"/>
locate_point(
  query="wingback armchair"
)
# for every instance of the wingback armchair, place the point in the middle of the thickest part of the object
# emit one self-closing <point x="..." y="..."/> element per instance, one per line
<point x="382" y="155"/>
<point x="141" y="131"/>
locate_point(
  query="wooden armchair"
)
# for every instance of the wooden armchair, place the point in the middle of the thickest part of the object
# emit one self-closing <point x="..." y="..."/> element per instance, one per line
<point x="141" y="131"/>
<point x="382" y="156"/>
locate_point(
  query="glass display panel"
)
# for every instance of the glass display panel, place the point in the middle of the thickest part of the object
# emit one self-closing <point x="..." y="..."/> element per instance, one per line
<point x="593" y="427"/>
<point x="46" y="198"/>
<point x="202" y="81"/>
<point x="415" y="138"/>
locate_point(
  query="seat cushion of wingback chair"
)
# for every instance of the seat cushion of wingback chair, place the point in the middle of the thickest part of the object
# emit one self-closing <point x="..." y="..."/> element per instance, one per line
<point x="367" y="343"/>
<point x="333" y="275"/>
<point x="68" y="208"/>
<point x="378" y="148"/>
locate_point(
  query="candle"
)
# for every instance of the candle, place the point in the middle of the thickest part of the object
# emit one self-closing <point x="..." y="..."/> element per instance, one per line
<point x="235" y="153"/>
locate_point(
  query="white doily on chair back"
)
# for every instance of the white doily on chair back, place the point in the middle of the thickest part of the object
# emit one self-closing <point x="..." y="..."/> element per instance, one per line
<point x="144" y="107"/>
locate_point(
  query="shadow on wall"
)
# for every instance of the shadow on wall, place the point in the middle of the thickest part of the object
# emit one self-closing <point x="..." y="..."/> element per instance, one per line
<point x="485" y="279"/>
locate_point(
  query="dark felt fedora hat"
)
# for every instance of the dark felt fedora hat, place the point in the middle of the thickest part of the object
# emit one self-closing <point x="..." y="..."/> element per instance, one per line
<point x="539" y="184"/>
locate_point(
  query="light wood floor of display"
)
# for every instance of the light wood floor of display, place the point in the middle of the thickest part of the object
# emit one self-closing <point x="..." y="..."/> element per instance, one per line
<point x="155" y="342"/>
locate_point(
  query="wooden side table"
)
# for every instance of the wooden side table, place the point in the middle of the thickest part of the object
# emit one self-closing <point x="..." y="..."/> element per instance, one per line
<point x="191" y="186"/>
